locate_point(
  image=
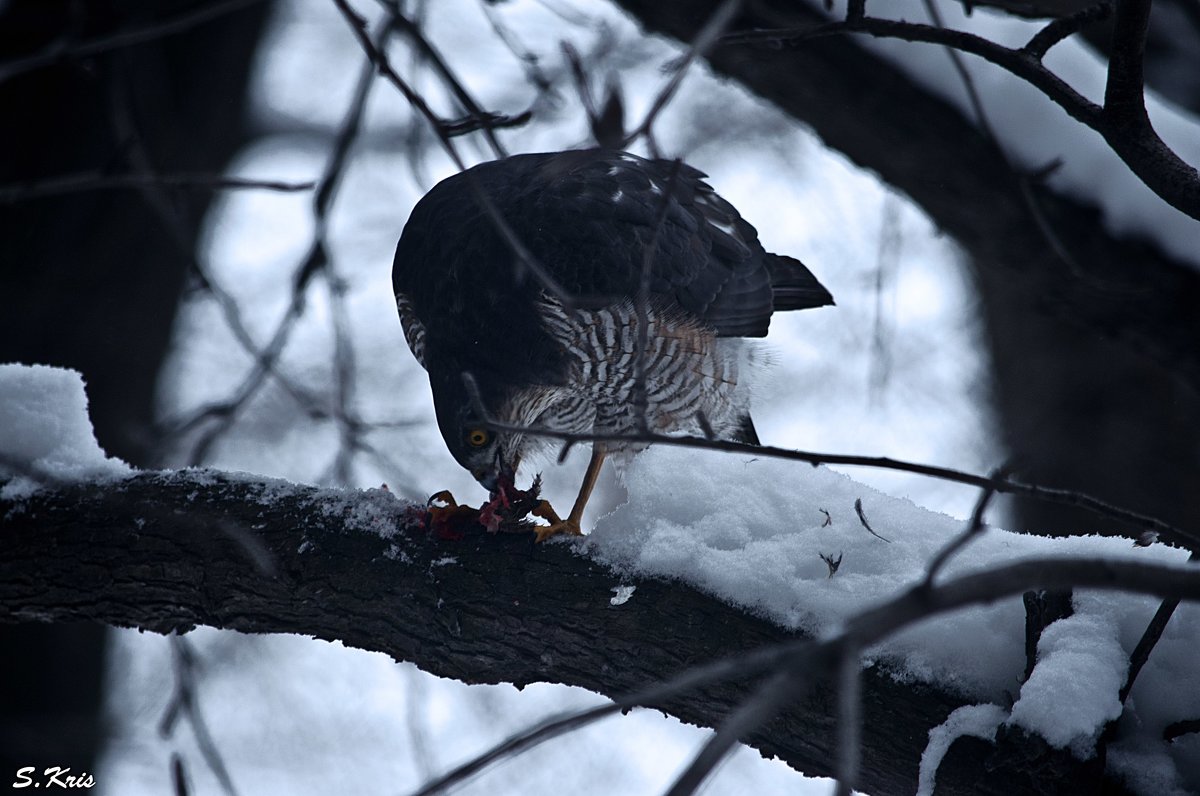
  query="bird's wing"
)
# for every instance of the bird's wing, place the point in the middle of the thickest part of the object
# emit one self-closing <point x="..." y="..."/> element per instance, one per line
<point x="608" y="220"/>
<point x="599" y="222"/>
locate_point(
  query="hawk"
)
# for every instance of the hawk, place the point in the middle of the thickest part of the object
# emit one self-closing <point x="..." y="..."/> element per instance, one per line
<point x="619" y="242"/>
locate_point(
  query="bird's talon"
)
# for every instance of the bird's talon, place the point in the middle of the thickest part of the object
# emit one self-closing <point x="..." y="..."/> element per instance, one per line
<point x="445" y="497"/>
<point x="569" y="526"/>
<point x="544" y="510"/>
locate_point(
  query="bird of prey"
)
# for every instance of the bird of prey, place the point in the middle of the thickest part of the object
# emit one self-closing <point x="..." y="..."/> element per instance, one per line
<point x="592" y="292"/>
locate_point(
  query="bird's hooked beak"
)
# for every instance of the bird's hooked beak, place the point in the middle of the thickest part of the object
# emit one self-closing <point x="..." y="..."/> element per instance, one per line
<point x="500" y="474"/>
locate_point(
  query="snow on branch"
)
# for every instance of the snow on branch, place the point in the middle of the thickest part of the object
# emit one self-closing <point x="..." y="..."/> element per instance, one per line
<point x="168" y="551"/>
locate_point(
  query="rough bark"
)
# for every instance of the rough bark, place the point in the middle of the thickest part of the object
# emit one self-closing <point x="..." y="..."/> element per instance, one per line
<point x="168" y="551"/>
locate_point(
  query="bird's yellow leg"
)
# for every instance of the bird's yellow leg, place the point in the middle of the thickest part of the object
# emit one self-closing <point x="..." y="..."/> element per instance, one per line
<point x="570" y="525"/>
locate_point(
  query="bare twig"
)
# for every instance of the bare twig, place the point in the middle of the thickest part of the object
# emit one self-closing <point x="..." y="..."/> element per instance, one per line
<point x="98" y="181"/>
<point x="151" y="185"/>
<point x="524" y="258"/>
<point x="887" y="260"/>
<point x="1020" y="64"/>
<point x="1024" y="181"/>
<point x="640" y="395"/>
<point x="747" y="665"/>
<point x="315" y="262"/>
<point x="65" y="50"/>
<point x="974" y="527"/>
<point x="607" y="122"/>
<point x="770" y="699"/>
<point x="184" y="704"/>
<point x="1177" y="728"/>
<point x="849" y="693"/>
<point x="156" y="197"/>
<point x="145" y="178"/>
<point x="232" y="314"/>
<point x="483" y="120"/>
<point x="1063" y="27"/>
<point x="416" y="708"/>
<point x="525" y="57"/>
<point x="704" y="41"/>
<point x="1150" y="637"/>
<point x="1006" y="485"/>
<point x="179" y="777"/>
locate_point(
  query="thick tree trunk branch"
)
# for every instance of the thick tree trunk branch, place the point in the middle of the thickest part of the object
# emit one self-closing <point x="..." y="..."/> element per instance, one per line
<point x="1123" y="120"/>
<point x="168" y="551"/>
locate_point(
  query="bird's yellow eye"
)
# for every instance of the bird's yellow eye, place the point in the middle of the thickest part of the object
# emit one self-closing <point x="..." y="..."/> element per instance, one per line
<point x="477" y="437"/>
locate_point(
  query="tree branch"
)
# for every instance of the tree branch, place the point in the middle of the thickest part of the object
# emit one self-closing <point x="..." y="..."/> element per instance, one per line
<point x="98" y="181"/>
<point x="66" y="50"/>
<point x="1124" y="93"/>
<point x="1122" y="121"/>
<point x="168" y="551"/>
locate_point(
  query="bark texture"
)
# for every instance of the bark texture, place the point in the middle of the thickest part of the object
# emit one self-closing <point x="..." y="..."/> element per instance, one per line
<point x="168" y="551"/>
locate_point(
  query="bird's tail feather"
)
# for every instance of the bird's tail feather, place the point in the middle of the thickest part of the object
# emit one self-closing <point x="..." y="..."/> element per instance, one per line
<point x="745" y="431"/>
<point x="794" y="286"/>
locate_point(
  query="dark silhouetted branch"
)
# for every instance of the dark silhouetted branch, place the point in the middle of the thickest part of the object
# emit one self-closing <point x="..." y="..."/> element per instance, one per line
<point x="359" y="567"/>
<point x="96" y="181"/>
<point x="1122" y="120"/>
<point x="1064" y="27"/>
<point x="66" y="50"/>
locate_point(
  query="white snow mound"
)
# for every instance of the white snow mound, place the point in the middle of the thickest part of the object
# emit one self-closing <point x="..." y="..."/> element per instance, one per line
<point x="752" y="531"/>
<point x="45" y="432"/>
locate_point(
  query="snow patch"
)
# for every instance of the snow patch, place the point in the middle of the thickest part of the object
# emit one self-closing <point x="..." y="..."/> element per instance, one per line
<point x="1148" y="767"/>
<point x="751" y="531"/>
<point x="621" y="594"/>
<point x="45" y="432"/>
<point x="1073" y="690"/>
<point x="976" y="721"/>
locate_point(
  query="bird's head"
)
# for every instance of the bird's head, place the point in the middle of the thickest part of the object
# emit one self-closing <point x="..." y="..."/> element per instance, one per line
<point x="492" y="457"/>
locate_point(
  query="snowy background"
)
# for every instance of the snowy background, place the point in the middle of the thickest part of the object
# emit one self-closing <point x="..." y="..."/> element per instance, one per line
<point x="895" y="369"/>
